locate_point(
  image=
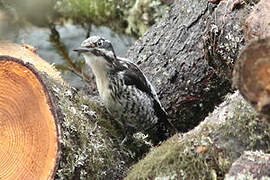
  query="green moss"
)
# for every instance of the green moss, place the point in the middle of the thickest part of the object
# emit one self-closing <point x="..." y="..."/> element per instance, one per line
<point x="245" y="129"/>
<point x="86" y="149"/>
<point x="90" y="139"/>
<point x="180" y="159"/>
<point x="208" y="151"/>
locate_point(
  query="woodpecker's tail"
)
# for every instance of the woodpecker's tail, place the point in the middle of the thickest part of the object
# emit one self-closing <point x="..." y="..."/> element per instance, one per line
<point x="161" y="131"/>
<point x="164" y="128"/>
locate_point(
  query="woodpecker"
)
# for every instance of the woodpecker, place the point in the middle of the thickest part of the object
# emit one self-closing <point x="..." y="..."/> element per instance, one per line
<point x="125" y="91"/>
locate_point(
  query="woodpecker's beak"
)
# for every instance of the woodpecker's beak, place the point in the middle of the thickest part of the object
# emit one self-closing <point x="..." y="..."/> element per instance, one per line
<point x="81" y="49"/>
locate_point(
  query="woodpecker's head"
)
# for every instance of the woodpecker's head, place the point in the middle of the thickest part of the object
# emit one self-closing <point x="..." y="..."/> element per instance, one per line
<point x="97" y="46"/>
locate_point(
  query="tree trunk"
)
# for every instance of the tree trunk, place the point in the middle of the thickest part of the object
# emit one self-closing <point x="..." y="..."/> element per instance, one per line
<point x="189" y="56"/>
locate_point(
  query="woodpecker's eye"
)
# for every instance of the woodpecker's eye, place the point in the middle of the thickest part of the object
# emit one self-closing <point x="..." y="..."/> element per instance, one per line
<point x="99" y="43"/>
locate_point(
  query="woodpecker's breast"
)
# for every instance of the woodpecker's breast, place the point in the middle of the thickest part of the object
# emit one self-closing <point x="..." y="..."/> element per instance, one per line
<point x="100" y="69"/>
<point x="104" y="91"/>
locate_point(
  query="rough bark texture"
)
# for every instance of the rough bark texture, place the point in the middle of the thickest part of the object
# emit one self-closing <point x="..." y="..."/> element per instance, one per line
<point x="189" y="56"/>
<point x="207" y="151"/>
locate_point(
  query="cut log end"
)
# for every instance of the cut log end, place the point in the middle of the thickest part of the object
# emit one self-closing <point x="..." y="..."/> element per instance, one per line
<point x="252" y="74"/>
<point x="29" y="147"/>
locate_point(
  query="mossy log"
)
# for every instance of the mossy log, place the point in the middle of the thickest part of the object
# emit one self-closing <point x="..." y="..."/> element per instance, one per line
<point x="190" y="54"/>
<point x="208" y="151"/>
<point x="50" y="130"/>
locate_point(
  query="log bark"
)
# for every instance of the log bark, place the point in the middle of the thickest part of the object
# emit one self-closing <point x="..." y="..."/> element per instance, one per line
<point x="189" y="56"/>
<point x="87" y="145"/>
<point x="207" y="151"/>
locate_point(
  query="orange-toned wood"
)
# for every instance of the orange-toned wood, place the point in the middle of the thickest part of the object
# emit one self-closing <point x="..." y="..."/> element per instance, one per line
<point x="27" y="54"/>
<point x="28" y="132"/>
<point x="252" y="74"/>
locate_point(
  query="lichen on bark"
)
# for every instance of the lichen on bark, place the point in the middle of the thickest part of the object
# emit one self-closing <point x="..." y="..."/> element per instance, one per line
<point x="87" y="149"/>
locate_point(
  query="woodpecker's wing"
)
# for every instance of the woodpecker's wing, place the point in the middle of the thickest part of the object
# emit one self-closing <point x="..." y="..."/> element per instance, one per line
<point x="134" y="76"/>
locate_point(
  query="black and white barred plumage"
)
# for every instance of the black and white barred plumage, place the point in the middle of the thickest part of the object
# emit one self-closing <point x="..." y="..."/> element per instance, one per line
<point x="124" y="89"/>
